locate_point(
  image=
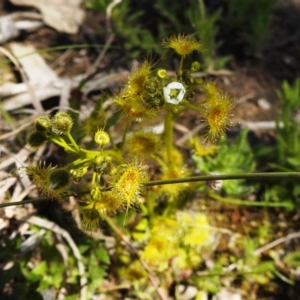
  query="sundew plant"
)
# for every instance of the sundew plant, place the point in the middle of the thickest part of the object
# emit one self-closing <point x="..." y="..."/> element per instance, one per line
<point x="115" y="176"/>
<point x="110" y="176"/>
<point x="122" y="164"/>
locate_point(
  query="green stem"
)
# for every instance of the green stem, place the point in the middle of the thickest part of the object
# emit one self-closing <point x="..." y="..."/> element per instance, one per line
<point x="114" y="227"/>
<point x="162" y="163"/>
<point x="180" y="68"/>
<point x="74" y="144"/>
<point x="125" y="134"/>
<point x="266" y="175"/>
<point x="253" y="176"/>
<point x="249" y="203"/>
<point x="202" y="9"/>
<point x="62" y="143"/>
<point x="168" y="134"/>
<point x="112" y="141"/>
<point x="79" y="163"/>
<point x="94" y="179"/>
<point x="14" y="203"/>
<point x="87" y="154"/>
<point x="194" y="107"/>
<point x="150" y="202"/>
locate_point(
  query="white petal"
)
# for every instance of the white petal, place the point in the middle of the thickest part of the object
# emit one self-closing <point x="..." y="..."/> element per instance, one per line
<point x="171" y="86"/>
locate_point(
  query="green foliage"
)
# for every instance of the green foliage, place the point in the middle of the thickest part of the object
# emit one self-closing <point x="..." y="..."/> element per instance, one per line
<point x="288" y="128"/>
<point x="100" y="5"/>
<point x="293" y="259"/>
<point x="230" y="158"/>
<point x="13" y="282"/>
<point x="29" y="278"/>
<point x="139" y="34"/>
<point x="248" y="21"/>
<point x="136" y="37"/>
<point x="206" y="27"/>
<point x="284" y="155"/>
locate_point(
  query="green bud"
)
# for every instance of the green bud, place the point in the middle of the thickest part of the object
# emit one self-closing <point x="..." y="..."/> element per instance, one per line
<point x="101" y="138"/>
<point x="195" y="67"/>
<point x="153" y="98"/>
<point x="61" y="123"/>
<point x="59" y="178"/>
<point x="198" y="81"/>
<point x="102" y="165"/>
<point x="157" y="102"/>
<point x="36" y="139"/>
<point x="153" y="85"/>
<point x="78" y="174"/>
<point x="162" y="73"/>
<point x="186" y="76"/>
<point x="42" y="123"/>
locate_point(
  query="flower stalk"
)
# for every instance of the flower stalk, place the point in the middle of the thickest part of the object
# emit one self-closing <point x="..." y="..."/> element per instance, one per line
<point x="237" y="176"/>
<point x="169" y="135"/>
<point x="73" y="143"/>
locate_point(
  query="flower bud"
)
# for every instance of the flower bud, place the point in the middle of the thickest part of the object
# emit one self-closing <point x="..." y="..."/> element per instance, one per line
<point x="186" y="77"/>
<point x="102" y="165"/>
<point x="61" y="123"/>
<point x="101" y="137"/>
<point x="42" y="123"/>
<point x="78" y="174"/>
<point x="195" y="67"/>
<point x="36" y="139"/>
<point x="59" y="178"/>
<point x="162" y="73"/>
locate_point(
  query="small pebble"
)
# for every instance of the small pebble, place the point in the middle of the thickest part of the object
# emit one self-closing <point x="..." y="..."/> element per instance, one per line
<point x="264" y="104"/>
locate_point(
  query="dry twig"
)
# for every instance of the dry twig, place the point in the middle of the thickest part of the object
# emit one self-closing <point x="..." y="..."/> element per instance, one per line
<point x="35" y="102"/>
<point x="284" y="239"/>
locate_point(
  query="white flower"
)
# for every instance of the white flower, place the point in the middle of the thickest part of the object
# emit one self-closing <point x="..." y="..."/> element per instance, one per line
<point x="174" y="92"/>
